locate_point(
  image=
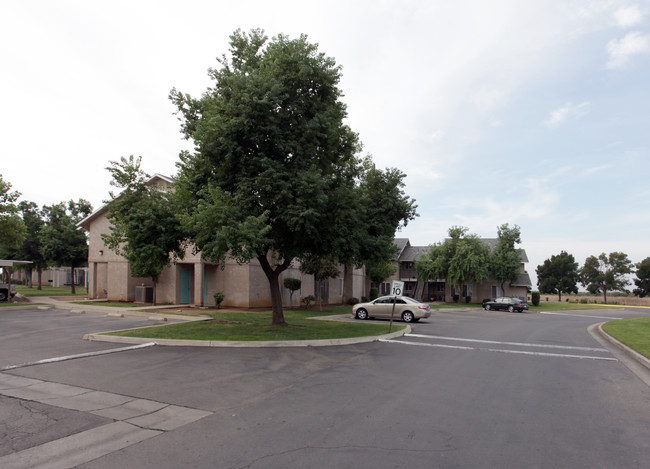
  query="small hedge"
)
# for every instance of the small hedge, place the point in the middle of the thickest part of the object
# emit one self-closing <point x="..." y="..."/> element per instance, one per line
<point x="536" y="298"/>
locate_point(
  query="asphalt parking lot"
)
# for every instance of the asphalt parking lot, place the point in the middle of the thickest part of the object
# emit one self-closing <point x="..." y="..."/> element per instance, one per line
<point x="465" y="389"/>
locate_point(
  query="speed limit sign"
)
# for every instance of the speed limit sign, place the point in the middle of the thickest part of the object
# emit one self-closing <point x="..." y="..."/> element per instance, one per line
<point x="398" y="288"/>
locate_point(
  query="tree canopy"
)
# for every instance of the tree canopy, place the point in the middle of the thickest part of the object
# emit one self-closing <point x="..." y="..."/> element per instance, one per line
<point x="62" y="243"/>
<point x="606" y="273"/>
<point x="31" y="248"/>
<point x="505" y="262"/>
<point x="642" y="280"/>
<point x="12" y="228"/>
<point x="559" y="274"/>
<point x="461" y="259"/>
<point x="275" y="173"/>
<point x="145" y="229"/>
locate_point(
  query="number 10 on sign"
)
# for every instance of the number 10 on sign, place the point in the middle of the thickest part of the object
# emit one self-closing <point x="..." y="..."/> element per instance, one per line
<point x="398" y="288"/>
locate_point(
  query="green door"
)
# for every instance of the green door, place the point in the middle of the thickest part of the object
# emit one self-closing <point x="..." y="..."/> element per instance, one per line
<point x="185" y="287"/>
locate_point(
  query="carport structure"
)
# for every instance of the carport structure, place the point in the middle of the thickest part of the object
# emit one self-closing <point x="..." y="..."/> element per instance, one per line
<point x="7" y="266"/>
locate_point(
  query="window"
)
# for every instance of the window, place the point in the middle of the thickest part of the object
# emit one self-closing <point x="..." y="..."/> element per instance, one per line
<point x="467" y="291"/>
<point x="385" y="288"/>
<point x="496" y="291"/>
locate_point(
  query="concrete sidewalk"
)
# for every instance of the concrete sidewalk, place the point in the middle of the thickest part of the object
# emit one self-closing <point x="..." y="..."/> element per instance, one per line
<point x="151" y="312"/>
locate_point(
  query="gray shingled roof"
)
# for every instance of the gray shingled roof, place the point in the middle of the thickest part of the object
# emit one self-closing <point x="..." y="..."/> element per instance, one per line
<point x="401" y="244"/>
<point x="523" y="281"/>
<point x="412" y="253"/>
<point x="408" y="256"/>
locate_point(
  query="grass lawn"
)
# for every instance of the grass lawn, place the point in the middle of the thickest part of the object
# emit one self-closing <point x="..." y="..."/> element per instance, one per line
<point x="247" y="326"/>
<point x="542" y="306"/>
<point x="112" y="304"/>
<point x="566" y="306"/>
<point x="635" y="333"/>
<point x="50" y="291"/>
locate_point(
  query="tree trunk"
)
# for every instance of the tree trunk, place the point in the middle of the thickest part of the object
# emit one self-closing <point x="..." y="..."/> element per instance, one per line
<point x="40" y="278"/>
<point x="9" y="300"/>
<point x="273" y="276"/>
<point x="74" y="290"/>
<point x="155" y="285"/>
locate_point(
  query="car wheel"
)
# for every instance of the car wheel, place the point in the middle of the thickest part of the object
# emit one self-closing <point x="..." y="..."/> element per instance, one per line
<point x="487" y="307"/>
<point x="408" y="316"/>
<point x="511" y="309"/>
<point x="362" y="314"/>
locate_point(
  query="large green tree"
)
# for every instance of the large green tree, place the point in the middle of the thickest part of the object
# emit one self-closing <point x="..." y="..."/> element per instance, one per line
<point x="12" y="228"/>
<point x="607" y="272"/>
<point x="461" y="259"/>
<point x="62" y="242"/>
<point x="642" y="280"/>
<point x="559" y="274"/>
<point x="31" y="249"/>
<point x="145" y="229"/>
<point x="505" y="261"/>
<point x="275" y="173"/>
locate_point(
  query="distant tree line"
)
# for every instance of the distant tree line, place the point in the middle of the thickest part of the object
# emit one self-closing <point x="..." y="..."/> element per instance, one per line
<point x="599" y="274"/>
<point x="46" y="236"/>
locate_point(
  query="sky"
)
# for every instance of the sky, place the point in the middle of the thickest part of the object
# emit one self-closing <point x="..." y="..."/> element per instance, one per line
<point x="532" y="113"/>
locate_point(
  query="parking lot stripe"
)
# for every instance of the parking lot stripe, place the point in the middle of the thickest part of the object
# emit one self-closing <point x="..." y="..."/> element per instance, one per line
<point x="515" y="352"/>
<point x="578" y="315"/>
<point x="520" y="344"/>
<point x="81" y="355"/>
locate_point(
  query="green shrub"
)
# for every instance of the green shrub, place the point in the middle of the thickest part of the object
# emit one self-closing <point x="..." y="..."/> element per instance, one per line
<point x="218" y="299"/>
<point x="456" y="298"/>
<point x="374" y="293"/>
<point x="535" y="298"/>
<point x="353" y="301"/>
<point x="307" y="300"/>
<point x="365" y="299"/>
<point x="468" y="299"/>
<point x="584" y="301"/>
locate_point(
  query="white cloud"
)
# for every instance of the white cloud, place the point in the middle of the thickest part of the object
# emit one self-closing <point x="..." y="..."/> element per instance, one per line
<point x="628" y="16"/>
<point x="595" y="169"/>
<point x="437" y="135"/>
<point x="567" y="112"/>
<point x="621" y="50"/>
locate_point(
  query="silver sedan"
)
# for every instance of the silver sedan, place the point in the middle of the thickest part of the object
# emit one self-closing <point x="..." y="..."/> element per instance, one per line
<point x="407" y="309"/>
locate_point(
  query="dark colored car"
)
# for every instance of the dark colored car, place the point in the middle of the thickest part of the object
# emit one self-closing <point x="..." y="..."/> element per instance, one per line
<point x="506" y="303"/>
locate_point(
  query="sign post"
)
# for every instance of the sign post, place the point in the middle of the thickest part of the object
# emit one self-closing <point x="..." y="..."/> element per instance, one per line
<point x="396" y="290"/>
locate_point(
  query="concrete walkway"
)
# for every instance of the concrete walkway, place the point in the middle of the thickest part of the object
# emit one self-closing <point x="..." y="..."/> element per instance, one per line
<point x="133" y="420"/>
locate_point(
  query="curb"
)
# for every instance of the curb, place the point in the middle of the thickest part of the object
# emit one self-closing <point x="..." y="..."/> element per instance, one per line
<point x="99" y="337"/>
<point x="116" y="312"/>
<point x="636" y="362"/>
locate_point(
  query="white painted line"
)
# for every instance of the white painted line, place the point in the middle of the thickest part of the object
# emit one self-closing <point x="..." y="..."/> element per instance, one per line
<point x="577" y="315"/>
<point x="520" y="344"/>
<point x="406" y="342"/>
<point x="515" y="352"/>
<point x="81" y="355"/>
<point x="547" y="354"/>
